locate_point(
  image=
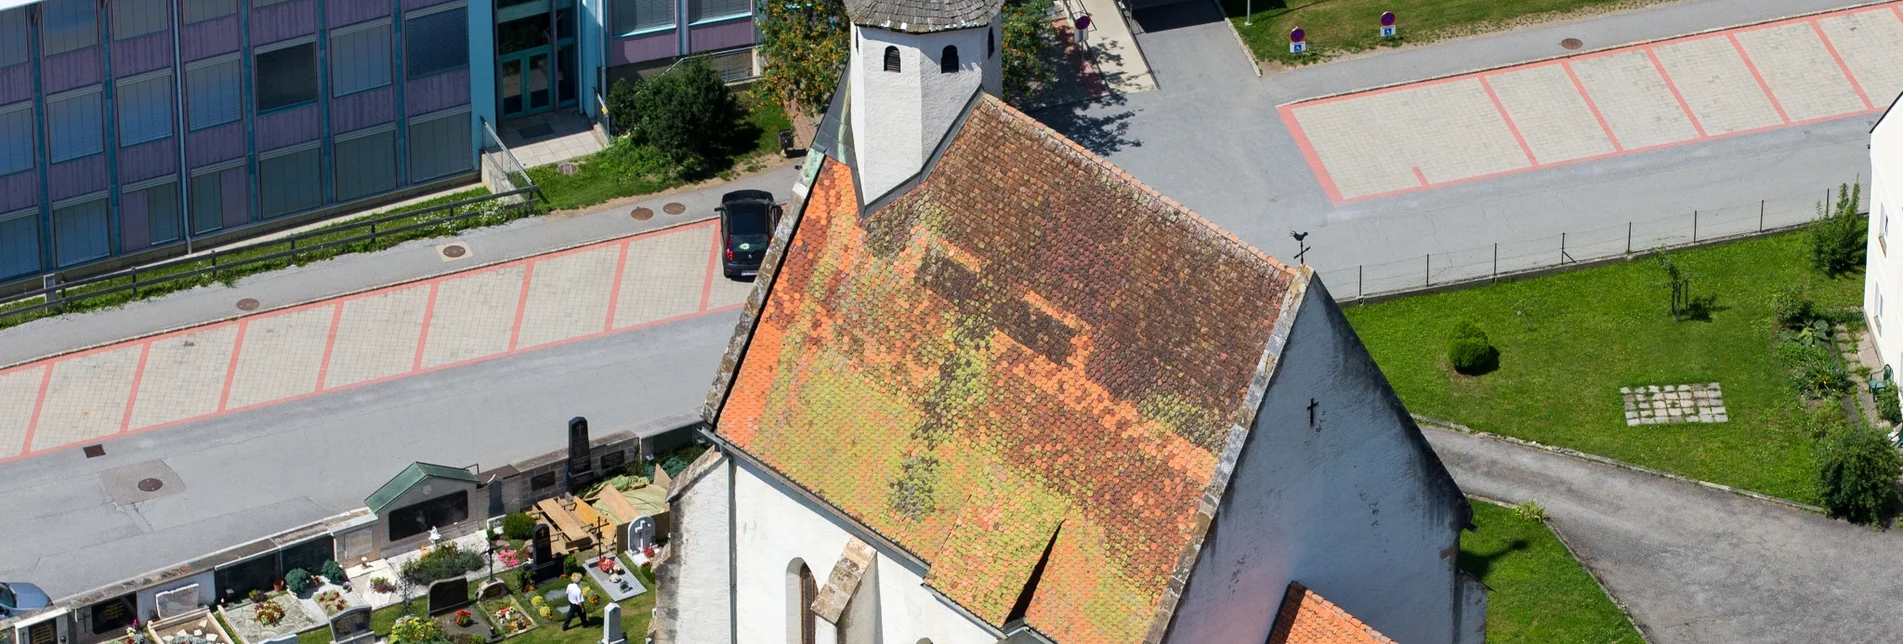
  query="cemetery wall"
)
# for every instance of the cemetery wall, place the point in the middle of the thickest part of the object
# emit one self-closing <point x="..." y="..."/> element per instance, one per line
<point x="477" y="501"/>
<point x="147" y="599"/>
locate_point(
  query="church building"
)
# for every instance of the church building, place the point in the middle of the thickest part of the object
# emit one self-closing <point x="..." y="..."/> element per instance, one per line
<point x="990" y="388"/>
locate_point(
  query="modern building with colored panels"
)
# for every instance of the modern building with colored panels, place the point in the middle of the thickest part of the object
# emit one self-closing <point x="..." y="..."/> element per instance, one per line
<point x="131" y="130"/>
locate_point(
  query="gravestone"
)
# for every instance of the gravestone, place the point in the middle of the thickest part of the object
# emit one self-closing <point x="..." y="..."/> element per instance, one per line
<point x="446" y="595"/>
<point x="611" y="625"/>
<point x="580" y="471"/>
<point x="287" y="638"/>
<point x="640" y="534"/>
<point x="351" y="625"/>
<point x="492" y="589"/>
<point x="542" y="563"/>
<point x="177" y="601"/>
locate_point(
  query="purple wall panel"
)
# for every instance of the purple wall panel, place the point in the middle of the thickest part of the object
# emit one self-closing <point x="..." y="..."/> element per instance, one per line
<point x="344" y="12"/>
<point x="655" y="46"/>
<point x="133" y="227"/>
<point x="215" y="144"/>
<point x="76" y="177"/>
<point x="16" y="83"/>
<point x="442" y="91"/>
<point x="19" y="190"/>
<point x="237" y="202"/>
<point x="412" y="5"/>
<point x="142" y="54"/>
<point x="62" y="72"/>
<point x="283" y="20"/>
<point x="208" y="38"/>
<point x="737" y="32"/>
<point x="287" y="127"/>
<point x="362" y="109"/>
<point x="148" y="160"/>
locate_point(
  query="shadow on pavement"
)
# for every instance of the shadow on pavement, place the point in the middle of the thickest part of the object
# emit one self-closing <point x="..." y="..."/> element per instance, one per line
<point x="1178" y="15"/>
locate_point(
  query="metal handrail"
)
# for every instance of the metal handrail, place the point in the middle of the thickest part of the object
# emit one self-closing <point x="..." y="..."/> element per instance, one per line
<point x="55" y="297"/>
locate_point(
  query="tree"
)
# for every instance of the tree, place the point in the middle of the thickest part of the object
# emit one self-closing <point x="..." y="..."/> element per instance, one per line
<point x="687" y="113"/>
<point x="1837" y="235"/>
<point x="803" y="45"/>
<point x="1856" y="472"/>
<point x="1027" y="34"/>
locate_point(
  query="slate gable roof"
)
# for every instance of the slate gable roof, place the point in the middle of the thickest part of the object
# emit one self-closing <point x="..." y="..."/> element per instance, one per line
<point x="1307" y="618"/>
<point x="1027" y="361"/>
<point x="922" y="16"/>
<point x="410" y="476"/>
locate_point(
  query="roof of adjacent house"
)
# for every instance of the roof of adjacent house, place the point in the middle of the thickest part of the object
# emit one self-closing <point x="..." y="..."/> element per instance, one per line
<point x="1307" y="618"/>
<point x="922" y="16"/>
<point x="408" y="478"/>
<point x="1025" y="361"/>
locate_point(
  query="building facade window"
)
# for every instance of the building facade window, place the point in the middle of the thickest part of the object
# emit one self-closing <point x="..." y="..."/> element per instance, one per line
<point x="208" y="199"/>
<point x="636" y="16"/>
<point x="286" y="77"/>
<point x="360" y="59"/>
<point x="19" y="243"/>
<point x="891" y="59"/>
<point x="948" y="60"/>
<point x="15" y="48"/>
<point x="145" y="109"/>
<point x="161" y="212"/>
<point x="706" y="10"/>
<point x="68" y="25"/>
<point x="192" y="11"/>
<point x="81" y="232"/>
<point x="134" y="18"/>
<point x="436" y="43"/>
<point x="290" y="182"/>
<point x="213" y="92"/>
<point x="16" y="138"/>
<point x="440" y="146"/>
<point x="364" y="165"/>
<point x="73" y="126"/>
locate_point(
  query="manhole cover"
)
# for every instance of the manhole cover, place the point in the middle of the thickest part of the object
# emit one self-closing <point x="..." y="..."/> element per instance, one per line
<point x="674" y="208"/>
<point x="643" y="214"/>
<point x="248" y="304"/>
<point x="94" y="451"/>
<point x="454" y="251"/>
<point x="150" y="485"/>
<point x="1571" y="43"/>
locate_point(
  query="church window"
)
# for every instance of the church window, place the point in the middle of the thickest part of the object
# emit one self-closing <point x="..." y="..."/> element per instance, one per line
<point x="948" y="62"/>
<point x="891" y="59"/>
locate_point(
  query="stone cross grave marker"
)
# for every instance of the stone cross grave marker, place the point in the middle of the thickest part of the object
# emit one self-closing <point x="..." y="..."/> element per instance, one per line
<point x="448" y="594"/>
<point x="611" y="625"/>
<point x="177" y="601"/>
<point x="351" y="624"/>
<point x="640" y="534"/>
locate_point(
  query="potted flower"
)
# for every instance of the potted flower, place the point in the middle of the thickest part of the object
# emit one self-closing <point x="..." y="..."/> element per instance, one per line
<point x="381" y="585"/>
<point x="277" y="586"/>
<point x="594" y="598"/>
<point x="464" y="619"/>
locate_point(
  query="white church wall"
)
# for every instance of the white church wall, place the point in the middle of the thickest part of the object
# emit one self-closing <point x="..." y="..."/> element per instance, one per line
<point x="699" y="541"/>
<point x="899" y="117"/>
<point x="1349" y="507"/>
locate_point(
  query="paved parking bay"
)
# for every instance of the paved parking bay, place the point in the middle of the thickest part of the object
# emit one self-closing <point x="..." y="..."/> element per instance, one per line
<point x="1601" y="104"/>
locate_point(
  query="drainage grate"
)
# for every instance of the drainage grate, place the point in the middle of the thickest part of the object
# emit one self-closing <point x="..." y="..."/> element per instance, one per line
<point x="248" y="304"/>
<point x="1572" y="43"/>
<point x="642" y="214"/>
<point x="674" y="208"/>
<point x="94" y="451"/>
<point x="150" y="485"/>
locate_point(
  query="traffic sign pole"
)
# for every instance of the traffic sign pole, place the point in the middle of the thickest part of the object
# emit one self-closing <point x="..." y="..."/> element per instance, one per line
<point x="1387" y="24"/>
<point x="1297" y="41"/>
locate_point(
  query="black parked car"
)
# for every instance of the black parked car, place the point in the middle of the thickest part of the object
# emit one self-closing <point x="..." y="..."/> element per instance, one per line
<point x="747" y="218"/>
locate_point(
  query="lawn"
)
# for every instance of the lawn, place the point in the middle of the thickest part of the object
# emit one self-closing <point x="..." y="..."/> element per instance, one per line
<point x="626" y="170"/>
<point x="635" y="612"/>
<point x="1338" y="27"/>
<point x="1540" y="592"/>
<point x="1568" y="342"/>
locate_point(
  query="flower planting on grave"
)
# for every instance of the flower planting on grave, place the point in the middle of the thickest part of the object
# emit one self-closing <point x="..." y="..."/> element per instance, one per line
<point x="381" y="585"/>
<point x="332" y="601"/>
<point x="511" y="620"/>
<point x="465" y="618"/>
<point x="509" y="558"/>
<point x="441" y="562"/>
<point x="410" y="629"/>
<point x="267" y="613"/>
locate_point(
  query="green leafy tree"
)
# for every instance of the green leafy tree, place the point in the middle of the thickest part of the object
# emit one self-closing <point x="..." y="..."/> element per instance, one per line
<point x="1856" y="472"/>
<point x="1027" y="34"/>
<point x="803" y="46"/>
<point x="1837" y="235"/>
<point x="687" y="113"/>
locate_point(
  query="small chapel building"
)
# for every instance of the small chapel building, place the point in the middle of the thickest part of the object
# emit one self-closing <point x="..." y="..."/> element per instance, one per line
<point x="990" y="388"/>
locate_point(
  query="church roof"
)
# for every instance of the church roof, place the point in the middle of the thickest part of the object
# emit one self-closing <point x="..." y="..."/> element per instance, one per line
<point x="1025" y="365"/>
<point x="1307" y="618"/>
<point x="922" y="16"/>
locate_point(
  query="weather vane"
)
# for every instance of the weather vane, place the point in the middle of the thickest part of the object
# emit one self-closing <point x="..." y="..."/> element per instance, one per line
<point x="1301" y="255"/>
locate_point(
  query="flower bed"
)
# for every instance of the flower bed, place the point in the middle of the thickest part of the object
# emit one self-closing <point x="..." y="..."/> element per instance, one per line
<point x="508" y="616"/>
<point x="279" y="614"/>
<point x="192" y="628"/>
<point x="332" y="601"/>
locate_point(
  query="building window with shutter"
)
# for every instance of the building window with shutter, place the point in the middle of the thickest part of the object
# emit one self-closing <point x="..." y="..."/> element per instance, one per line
<point x="208" y="197"/>
<point x="286" y="77"/>
<point x="74" y="128"/>
<point x="632" y="17"/>
<point x="134" y="18"/>
<point x="364" y="164"/>
<point x="440" y="146"/>
<point x="891" y="59"/>
<point x="14" y="46"/>
<point x="16" y="138"/>
<point x="162" y="223"/>
<point x="81" y="231"/>
<point x="191" y="11"/>
<point x="67" y="25"/>
<point x="436" y="43"/>
<point x="948" y="61"/>
<point x="360" y="58"/>
<point x="712" y="10"/>
<point x="212" y="92"/>
<point x="290" y="182"/>
<point x="145" y="108"/>
<point x="19" y="243"/>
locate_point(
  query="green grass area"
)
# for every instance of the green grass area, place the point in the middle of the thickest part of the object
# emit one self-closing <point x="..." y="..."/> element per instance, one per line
<point x="1337" y="27"/>
<point x="626" y="169"/>
<point x="1568" y="342"/>
<point x="635" y="612"/>
<point x="1541" y="594"/>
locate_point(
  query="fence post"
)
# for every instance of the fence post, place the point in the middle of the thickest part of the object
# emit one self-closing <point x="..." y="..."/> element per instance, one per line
<point x="1496" y="262"/>
<point x="1427" y="275"/>
<point x="1628" y="238"/>
<point x="1562" y="249"/>
<point x="1358" y="294"/>
<point x="1760" y="215"/>
<point x="1694" y="226"/>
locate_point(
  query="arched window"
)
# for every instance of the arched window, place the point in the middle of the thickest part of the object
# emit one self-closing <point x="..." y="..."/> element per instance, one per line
<point x="891" y="59"/>
<point x="801" y="590"/>
<point x="948" y="61"/>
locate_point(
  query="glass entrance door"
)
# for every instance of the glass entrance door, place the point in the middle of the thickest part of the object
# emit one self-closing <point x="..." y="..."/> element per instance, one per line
<point x="524" y="69"/>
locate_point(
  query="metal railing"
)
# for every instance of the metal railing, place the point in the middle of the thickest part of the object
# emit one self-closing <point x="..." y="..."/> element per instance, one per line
<point x="1491" y="262"/>
<point x="229" y="263"/>
<point x="501" y="172"/>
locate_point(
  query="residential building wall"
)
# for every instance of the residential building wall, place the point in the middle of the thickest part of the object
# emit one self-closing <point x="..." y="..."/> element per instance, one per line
<point x="644" y="37"/>
<point x="1884" y="267"/>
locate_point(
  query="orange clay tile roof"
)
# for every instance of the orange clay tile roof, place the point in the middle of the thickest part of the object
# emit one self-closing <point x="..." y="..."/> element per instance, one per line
<point x="1306" y="618"/>
<point x="1027" y="344"/>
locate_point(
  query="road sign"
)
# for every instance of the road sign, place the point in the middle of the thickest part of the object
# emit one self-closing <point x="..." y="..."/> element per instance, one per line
<point x="1083" y="22"/>
<point x="1297" y="40"/>
<point x="1387" y="24"/>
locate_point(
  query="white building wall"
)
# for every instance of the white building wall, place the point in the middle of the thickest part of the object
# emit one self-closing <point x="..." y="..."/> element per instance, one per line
<point x="699" y="539"/>
<point x="899" y="117"/>
<point x="1355" y="507"/>
<point x="1884" y="267"/>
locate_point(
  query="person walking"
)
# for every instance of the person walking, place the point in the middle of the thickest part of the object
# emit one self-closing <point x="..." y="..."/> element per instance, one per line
<point x="575" y="606"/>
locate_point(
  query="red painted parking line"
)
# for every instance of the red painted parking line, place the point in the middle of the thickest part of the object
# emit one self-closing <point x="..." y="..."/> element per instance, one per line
<point x="1421" y="177"/>
<point x="422" y="337"/>
<point x="231" y="372"/>
<point x="39" y="403"/>
<point x="1765" y="87"/>
<point x="1592" y="106"/>
<point x="1832" y="48"/>
<point x="138" y="375"/>
<point x="521" y="304"/>
<point x="1511" y="127"/>
<point x="330" y="344"/>
<point x="713" y="264"/>
<point x="1699" y="127"/>
<point x="1308" y="152"/>
<point x="614" y="289"/>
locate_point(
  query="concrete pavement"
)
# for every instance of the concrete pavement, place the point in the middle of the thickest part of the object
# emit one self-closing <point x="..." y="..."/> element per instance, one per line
<point x="1698" y="565"/>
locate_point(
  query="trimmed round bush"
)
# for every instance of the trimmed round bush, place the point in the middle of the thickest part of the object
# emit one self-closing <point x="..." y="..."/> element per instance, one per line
<point x="334" y="572"/>
<point x="1472" y="356"/>
<point x="518" y="526"/>
<point x="297" y="581"/>
<point x="1466" y="329"/>
<point x="1856" y="472"/>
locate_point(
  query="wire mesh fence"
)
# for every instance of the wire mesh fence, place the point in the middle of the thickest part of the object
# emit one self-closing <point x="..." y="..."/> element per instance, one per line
<point x="1510" y="258"/>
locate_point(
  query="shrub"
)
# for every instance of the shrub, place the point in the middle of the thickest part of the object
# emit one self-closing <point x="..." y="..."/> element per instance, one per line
<point x="687" y="113"/>
<point x="1837" y="234"/>
<point x="1466" y="329"/>
<point x="1821" y="378"/>
<point x="1472" y="356"/>
<point x="518" y="526"/>
<point x="1888" y="406"/>
<point x="441" y="562"/>
<point x="1828" y="420"/>
<point x="1793" y="307"/>
<point x="1856" y="473"/>
<point x="677" y="461"/>
<point x="297" y="581"/>
<point x="334" y="572"/>
<point x="1530" y="510"/>
<point x="382" y="585"/>
<point x="411" y="629"/>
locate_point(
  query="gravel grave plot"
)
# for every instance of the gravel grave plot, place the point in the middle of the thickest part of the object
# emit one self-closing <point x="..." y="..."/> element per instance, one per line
<point x="244" y="620"/>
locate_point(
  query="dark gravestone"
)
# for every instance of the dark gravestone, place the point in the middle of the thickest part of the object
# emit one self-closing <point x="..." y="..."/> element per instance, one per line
<point x="351" y="624"/>
<point x="541" y="551"/>
<point x="495" y="497"/>
<point x="580" y="471"/>
<point x="447" y="595"/>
